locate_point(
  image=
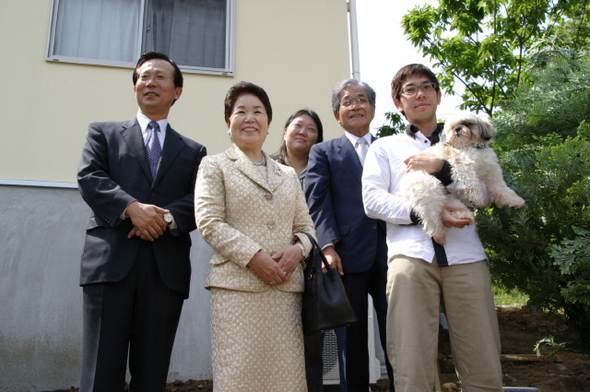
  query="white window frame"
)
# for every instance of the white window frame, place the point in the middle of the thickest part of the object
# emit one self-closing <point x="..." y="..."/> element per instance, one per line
<point x="228" y="70"/>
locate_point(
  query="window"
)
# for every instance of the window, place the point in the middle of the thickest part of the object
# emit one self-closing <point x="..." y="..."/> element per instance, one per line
<point x="196" y="34"/>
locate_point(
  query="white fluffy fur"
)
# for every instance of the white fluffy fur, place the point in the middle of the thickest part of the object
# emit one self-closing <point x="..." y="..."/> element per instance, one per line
<point x="465" y="145"/>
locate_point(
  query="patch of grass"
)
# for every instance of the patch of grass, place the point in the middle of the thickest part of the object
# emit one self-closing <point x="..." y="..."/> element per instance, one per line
<point x="513" y="297"/>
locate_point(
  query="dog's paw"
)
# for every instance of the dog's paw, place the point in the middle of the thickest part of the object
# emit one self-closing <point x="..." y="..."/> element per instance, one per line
<point x="478" y="203"/>
<point x="509" y="200"/>
<point x="517" y="203"/>
<point x="464" y="214"/>
<point x="473" y="197"/>
<point x="440" y="238"/>
<point x="434" y="228"/>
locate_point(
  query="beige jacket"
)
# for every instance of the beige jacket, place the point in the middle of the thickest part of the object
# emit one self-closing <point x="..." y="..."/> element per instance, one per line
<point x="239" y="212"/>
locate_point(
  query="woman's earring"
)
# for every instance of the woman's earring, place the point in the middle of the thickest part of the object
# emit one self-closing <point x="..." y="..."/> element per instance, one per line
<point x="268" y="132"/>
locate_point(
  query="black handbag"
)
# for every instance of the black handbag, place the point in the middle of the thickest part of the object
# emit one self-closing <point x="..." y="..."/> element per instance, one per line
<point x="325" y="303"/>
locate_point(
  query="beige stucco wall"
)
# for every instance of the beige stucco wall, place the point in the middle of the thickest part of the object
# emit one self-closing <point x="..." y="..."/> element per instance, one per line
<point x="296" y="50"/>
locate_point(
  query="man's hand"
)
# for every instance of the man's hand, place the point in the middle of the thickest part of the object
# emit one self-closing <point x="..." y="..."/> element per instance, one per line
<point x="451" y="221"/>
<point x="423" y="161"/>
<point x="148" y="220"/>
<point x="333" y="259"/>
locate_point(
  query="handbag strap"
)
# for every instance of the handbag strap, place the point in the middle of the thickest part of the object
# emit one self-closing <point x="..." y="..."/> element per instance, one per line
<point x="317" y="250"/>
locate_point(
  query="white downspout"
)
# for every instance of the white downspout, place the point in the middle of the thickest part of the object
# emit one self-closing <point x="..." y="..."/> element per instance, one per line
<point x="354" y="40"/>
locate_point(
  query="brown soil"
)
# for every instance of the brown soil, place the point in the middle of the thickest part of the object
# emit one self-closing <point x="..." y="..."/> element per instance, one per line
<point x="520" y="329"/>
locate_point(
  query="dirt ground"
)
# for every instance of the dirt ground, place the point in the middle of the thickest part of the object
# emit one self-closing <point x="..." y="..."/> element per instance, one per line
<point x="520" y="329"/>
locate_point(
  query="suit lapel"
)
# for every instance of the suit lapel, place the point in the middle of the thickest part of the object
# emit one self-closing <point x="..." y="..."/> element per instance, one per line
<point x="131" y="133"/>
<point x="244" y="165"/>
<point x="274" y="174"/>
<point x="173" y="144"/>
<point x="350" y="157"/>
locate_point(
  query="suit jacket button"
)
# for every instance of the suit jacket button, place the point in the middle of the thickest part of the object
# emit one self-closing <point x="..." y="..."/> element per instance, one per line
<point x="374" y="227"/>
<point x="152" y="194"/>
<point x="268" y="196"/>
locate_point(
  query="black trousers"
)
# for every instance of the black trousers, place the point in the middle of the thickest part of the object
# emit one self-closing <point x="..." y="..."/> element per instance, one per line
<point x="134" y="319"/>
<point x="314" y="364"/>
<point x="353" y="352"/>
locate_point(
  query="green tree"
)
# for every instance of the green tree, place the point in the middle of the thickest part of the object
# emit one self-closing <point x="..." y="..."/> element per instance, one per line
<point x="482" y="44"/>
<point x="396" y="125"/>
<point x="543" y="143"/>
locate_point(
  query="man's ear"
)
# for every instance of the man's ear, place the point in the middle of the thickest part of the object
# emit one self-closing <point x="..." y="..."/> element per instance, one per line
<point x="337" y="116"/>
<point x="178" y="93"/>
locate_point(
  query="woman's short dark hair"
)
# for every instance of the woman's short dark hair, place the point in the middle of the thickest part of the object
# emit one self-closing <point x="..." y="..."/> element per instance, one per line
<point x="242" y="88"/>
<point x="407" y="71"/>
<point x="178" y="78"/>
<point x="282" y="156"/>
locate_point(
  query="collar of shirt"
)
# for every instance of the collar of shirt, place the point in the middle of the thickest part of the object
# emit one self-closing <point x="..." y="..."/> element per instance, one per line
<point x="143" y="121"/>
<point x="353" y="138"/>
<point x="419" y="137"/>
<point x="413" y="131"/>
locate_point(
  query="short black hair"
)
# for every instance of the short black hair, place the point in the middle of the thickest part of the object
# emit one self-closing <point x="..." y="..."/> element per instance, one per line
<point x="406" y="72"/>
<point x="242" y="88"/>
<point x="178" y="78"/>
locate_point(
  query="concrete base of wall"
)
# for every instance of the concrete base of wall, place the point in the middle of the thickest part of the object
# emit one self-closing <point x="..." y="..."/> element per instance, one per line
<point x="41" y="237"/>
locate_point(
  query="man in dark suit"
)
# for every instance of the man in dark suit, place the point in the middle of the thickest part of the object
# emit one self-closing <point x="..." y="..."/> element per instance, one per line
<point x="138" y="177"/>
<point x="352" y="242"/>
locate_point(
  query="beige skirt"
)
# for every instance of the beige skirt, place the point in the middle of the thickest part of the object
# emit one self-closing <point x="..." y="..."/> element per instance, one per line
<point x="257" y="341"/>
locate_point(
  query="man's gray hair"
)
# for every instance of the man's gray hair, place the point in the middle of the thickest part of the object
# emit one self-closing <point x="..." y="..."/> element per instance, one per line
<point x="371" y="96"/>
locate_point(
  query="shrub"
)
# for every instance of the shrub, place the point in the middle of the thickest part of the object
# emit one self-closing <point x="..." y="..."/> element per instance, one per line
<point x="544" y="248"/>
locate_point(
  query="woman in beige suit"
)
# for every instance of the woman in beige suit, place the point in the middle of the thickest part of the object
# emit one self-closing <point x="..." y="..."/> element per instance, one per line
<point x="251" y="211"/>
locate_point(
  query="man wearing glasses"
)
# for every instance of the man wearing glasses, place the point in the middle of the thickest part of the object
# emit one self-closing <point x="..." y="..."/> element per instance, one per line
<point x="421" y="269"/>
<point x="353" y="243"/>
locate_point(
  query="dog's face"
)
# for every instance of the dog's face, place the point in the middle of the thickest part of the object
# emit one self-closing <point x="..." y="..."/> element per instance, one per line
<point x="466" y="129"/>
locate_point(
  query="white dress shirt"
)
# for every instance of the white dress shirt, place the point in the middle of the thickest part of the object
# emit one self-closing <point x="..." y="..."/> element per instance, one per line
<point x="354" y="139"/>
<point x="146" y="132"/>
<point x="384" y="168"/>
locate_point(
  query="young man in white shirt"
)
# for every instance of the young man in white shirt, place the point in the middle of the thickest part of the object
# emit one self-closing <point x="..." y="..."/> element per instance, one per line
<point x="421" y="269"/>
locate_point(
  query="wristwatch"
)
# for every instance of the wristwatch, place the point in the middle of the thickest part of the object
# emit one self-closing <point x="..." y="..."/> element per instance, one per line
<point x="168" y="218"/>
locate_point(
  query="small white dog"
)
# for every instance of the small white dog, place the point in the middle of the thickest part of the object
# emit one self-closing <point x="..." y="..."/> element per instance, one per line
<point x="465" y="145"/>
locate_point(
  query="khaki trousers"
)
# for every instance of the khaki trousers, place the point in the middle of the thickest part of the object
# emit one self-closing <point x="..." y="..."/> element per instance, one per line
<point x="413" y="294"/>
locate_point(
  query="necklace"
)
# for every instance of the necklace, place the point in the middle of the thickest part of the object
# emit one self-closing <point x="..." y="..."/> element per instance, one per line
<point x="261" y="163"/>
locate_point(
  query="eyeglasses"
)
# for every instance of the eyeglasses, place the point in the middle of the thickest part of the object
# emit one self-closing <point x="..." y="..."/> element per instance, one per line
<point x="147" y="78"/>
<point x="351" y="101"/>
<point x="411" y="89"/>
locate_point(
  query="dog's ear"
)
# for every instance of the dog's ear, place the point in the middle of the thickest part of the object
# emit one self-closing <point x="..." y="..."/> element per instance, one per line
<point x="486" y="129"/>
